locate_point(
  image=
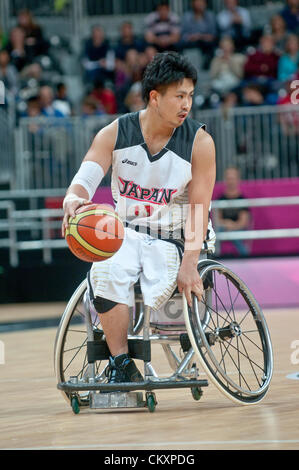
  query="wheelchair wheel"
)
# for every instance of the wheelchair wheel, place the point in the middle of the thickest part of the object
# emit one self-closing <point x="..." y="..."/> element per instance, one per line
<point x="233" y="344"/>
<point x="70" y="350"/>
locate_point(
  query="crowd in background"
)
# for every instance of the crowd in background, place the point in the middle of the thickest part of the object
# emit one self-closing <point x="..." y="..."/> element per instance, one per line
<point x="245" y="65"/>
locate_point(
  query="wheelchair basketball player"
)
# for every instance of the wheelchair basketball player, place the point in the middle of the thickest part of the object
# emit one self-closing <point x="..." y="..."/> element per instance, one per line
<point x="162" y="163"/>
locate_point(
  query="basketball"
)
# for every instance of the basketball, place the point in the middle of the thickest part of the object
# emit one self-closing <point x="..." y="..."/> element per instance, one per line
<point x="95" y="233"/>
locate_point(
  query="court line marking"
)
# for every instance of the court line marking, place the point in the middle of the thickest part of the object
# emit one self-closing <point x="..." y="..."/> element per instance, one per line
<point x="152" y="445"/>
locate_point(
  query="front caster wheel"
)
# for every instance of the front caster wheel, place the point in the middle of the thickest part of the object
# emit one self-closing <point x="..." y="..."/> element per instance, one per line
<point x="75" y="405"/>
<point x="151" y="402"/>
<point x="197" y="393"/>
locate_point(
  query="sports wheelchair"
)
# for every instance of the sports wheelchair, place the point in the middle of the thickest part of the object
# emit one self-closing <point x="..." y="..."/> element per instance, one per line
<point x="225" y="334"/>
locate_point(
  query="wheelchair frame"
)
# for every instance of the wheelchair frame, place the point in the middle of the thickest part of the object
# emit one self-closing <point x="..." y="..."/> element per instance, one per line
<point x="197" y="342"/>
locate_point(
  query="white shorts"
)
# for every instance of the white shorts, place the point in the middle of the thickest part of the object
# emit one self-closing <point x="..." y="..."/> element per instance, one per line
<point x="154" y="262"/>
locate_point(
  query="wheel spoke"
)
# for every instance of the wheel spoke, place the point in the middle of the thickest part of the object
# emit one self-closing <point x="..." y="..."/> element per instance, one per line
<point x="247" y="357"/>
<point x="256" y="345"/>
<point x="238" y="369"/>
<point x="250" y="362"/>
<point x="79" y="349"/>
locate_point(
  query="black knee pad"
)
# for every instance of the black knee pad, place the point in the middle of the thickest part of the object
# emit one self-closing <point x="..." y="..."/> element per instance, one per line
<point x="103" y="305"/>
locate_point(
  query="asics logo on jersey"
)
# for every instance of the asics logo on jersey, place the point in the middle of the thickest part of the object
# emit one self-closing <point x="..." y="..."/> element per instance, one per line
<point x="155" y="195"/>
<point x="129" y="162"/>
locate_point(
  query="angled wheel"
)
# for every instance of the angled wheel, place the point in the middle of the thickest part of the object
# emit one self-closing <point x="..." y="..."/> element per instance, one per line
<point x="70" y="350"/>
<point x="233" y="343"/>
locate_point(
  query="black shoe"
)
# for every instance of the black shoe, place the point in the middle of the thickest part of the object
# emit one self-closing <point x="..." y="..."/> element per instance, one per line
<point x="122" y="369"/>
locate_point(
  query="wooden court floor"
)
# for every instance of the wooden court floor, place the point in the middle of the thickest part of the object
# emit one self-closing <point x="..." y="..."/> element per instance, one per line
<point x="34" y="415"/>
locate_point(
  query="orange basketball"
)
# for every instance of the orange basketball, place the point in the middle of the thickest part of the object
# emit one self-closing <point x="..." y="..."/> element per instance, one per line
<point x="95" y="233"/>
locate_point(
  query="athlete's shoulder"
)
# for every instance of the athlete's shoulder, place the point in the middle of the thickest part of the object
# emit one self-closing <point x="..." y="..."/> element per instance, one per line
<point x="194" y="124"/>
<point x="204" y="147"/>
<point x="129" y="133"/>
<point x="107" y="134"/>
<point x="183" y="139"/>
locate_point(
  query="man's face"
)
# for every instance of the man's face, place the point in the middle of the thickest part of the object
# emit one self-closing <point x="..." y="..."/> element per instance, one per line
<point x="163" y="11"/>
<point x="174" y="103"/>
<point x="293" y="3"/>
<point x="232" y="178"/>
<point x="199" y="5"/>
<point x="267" y="44"/>
<point x="231" y="4"/>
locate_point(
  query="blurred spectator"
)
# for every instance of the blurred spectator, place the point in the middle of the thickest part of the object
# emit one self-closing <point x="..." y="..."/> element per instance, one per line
<point x="104" y="97"/>
<point x="96" y="56"/>
<point x="253" y="95"/>
<point x="290" y="14"/>
<point x="162" y="28"/>
<point x="199" y="29"/>
<point x="233" y="219"/>
<point x="35" y="42"/>
<point x="90" y="107"/>
<point x="134" y="101"/>
<point x="235" y="21"/>
<point x="289" y="119"/>
<point x="46" y="99"/>
<point x="133" y="67"/>
<point x="264" y="61"/>
<point x="61" y="101"/>
<point x="17" y="49"/>
<point x="227" y="67"/>
<point x="127" y="40"/>
<point x="129" y="72"/>
<point x="279" y="32"/>
<point x="32" y="72"/>
<point x="288" y="63"/>
<point x="8" y="73"/>
<point x="229" y="101"/>
<point x="33" y="110"/>
<point x="147" y="56"/>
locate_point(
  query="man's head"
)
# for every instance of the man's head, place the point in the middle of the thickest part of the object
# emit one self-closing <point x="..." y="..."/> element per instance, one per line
<point x="4" y="58"/>
<point x="97" y="34"/>
<point x="231" y="4"/>
<point x="293" y="4"/>
<point x="127" y="30"/>
<point x="46" y="96"/>
<point x="232" y="178"/>
<point x="267" y="43"/>
<point x="168" y="86"/>
<point x="163" y="10"/>
<point x="33" y="106"/>
<point x="199" y="6"/>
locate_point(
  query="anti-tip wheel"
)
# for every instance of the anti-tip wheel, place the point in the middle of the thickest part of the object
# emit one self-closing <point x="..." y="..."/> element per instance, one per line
<point x="75" y="405"/>
<point x="151" y="402"/>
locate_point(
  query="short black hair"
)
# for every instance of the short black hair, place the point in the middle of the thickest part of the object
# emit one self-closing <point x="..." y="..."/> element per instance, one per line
<point x="166" y="68"/>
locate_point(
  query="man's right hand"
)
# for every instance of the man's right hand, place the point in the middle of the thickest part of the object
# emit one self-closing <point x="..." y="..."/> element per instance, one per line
<point x="70" y="205"/>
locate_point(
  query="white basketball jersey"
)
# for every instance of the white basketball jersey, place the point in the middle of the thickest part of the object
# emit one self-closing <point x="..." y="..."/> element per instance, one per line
<point x="150" y="191"/>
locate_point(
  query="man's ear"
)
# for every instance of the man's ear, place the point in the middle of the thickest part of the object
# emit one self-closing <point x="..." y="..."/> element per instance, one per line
<point x="153" y="97"/>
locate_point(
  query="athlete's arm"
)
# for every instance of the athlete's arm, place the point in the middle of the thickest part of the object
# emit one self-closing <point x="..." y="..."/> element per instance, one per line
<point x="100" y="156"/>
<point x="200" y="191"/>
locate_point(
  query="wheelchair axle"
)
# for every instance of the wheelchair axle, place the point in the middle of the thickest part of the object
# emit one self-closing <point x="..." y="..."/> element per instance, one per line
<point x="225" y="333"/>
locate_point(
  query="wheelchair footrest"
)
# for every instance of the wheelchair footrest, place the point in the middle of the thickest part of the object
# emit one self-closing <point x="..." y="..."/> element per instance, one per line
<point x="116" y="400"/>
<point x="147" y="385"/>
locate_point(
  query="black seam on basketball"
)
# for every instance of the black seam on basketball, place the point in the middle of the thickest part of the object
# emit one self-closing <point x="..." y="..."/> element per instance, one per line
<point x="96" y="247"/>
<point x="74" y="249"/>
<point x="96" y="229"/>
